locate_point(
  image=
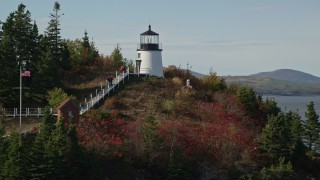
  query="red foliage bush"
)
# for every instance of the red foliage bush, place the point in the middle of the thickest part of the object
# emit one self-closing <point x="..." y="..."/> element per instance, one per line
<point x="221" y="142"/>
<point x="105" y="135"/>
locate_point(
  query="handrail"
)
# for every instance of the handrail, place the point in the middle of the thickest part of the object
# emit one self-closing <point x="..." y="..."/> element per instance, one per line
<point x="100" y="94"/>
<point x="25" y="112"/>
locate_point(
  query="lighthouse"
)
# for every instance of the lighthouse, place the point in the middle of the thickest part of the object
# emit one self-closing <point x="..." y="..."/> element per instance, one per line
<point x="149" y="54"/>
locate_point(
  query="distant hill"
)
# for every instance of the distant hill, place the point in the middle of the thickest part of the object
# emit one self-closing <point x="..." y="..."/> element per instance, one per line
<point x="196" y="74"/>
<point x="288" y="75"/>
<point x="280" y="82"/>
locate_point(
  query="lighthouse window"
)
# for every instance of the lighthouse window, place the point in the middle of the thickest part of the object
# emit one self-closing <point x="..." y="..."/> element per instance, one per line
<point x="139" y="55"/>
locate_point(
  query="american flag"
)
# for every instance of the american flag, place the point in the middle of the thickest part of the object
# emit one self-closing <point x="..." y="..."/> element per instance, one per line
<point x="26" y="74"/>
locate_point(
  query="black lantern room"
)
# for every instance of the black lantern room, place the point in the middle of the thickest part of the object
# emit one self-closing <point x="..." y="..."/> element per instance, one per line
<point x="149" y="40"/>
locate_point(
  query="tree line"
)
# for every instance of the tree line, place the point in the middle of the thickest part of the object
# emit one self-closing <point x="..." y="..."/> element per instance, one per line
<point x="50" y="58"/>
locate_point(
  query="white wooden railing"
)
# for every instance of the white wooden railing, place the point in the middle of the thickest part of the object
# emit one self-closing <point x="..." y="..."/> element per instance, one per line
<point x="100" y="94"/>
<point x="25" y="112"/>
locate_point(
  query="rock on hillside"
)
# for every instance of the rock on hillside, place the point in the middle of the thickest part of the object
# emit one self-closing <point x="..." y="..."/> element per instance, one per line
<point x="289" y="75"/>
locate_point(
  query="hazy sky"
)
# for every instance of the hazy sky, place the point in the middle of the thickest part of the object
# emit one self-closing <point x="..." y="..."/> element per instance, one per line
<point x="233" y="37"/>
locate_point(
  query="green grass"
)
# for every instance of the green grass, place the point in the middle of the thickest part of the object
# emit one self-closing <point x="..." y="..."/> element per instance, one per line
<point x="27" y="124"/>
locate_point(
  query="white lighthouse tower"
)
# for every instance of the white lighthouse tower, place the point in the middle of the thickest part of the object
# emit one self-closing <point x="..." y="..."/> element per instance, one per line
<point x="149" y="54"/>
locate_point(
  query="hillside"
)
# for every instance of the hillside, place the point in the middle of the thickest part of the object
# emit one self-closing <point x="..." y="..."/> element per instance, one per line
<point x="158" y="128"/>
<point x="288" y="75"/>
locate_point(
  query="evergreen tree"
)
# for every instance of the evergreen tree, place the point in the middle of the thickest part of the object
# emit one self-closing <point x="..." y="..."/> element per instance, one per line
<point x="152" y="141"/>
<point x="18" y="46"/>
<point x="117" y="57"/>
<point x="271" y="107"/>
<point x="248" y="97"/>
<point x="9" y="74"/>
<point x="53" y="34"/>
<point x="40" y="164"/>
<point x="275" y="137"/>
<point x="75" y="157"/>
<point x="311" y="126"/>
<point x="57" y="150"/>
<point x="3" y="146"/>
<point x="15" y="166"/>
<point x="85" y="41"/>
<point x="35" y="51"/>
<point x="89" y="53"/>
<point x="280" y="171"/>
<point x="297" y="148"/>
<point x="47" y="75"/>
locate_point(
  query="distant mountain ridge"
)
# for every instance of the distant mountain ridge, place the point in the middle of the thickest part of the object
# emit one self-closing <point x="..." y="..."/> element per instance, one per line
<point x="280" y="82"/>
<point x="288" y="75"/>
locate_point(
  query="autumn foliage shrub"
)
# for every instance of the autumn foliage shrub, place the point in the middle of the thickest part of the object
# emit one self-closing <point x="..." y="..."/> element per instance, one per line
<point x="104" y="135"/>
<point x="177" y="81"/>
<point x="111" y="103"/>
<point x="213" y="83"/>
<point x="221" y="143"/>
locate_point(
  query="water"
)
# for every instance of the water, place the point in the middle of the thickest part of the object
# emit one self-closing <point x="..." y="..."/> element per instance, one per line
<point x="296" y="103"/>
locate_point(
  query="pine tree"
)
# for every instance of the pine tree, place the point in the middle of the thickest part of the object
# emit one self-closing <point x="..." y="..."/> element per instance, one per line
<point x="271" y="107"/>
<point x="117" y="57"/>
<point x="282" y="170"/>
<point x="248" y="97"/>
<point x="275" y="137"/>
<point x="57" y="150"/>
<point x="53" y="34"/>
<point x="297" y="148"/>
<point x="19" y="46"/>
<point x="311" y="126"/>
<point x="75" y="157"/>
<point x="85" y="41"/>
<point x="3" y="146"/>
<point x="152" y="141"/>
<point x="15" y="166"/>
<point x="89" y="53"/>
<point x="9" y="74"/>
<point x="46" y="77"/>
<point x="40" y="165"/>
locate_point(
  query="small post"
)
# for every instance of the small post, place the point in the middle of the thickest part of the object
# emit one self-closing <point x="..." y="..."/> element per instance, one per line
<point x="118" y="80"/>
<point x="128" y="72"/>
<point x="123" y="76"/>
<point x="91" y="99"/>
<point x="101" y="86"/>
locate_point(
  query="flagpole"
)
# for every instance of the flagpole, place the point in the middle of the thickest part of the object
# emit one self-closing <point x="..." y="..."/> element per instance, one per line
<point x="20" y="98"/>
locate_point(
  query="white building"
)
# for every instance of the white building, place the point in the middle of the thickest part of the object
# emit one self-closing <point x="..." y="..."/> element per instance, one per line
<point x="149" y="54"/>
